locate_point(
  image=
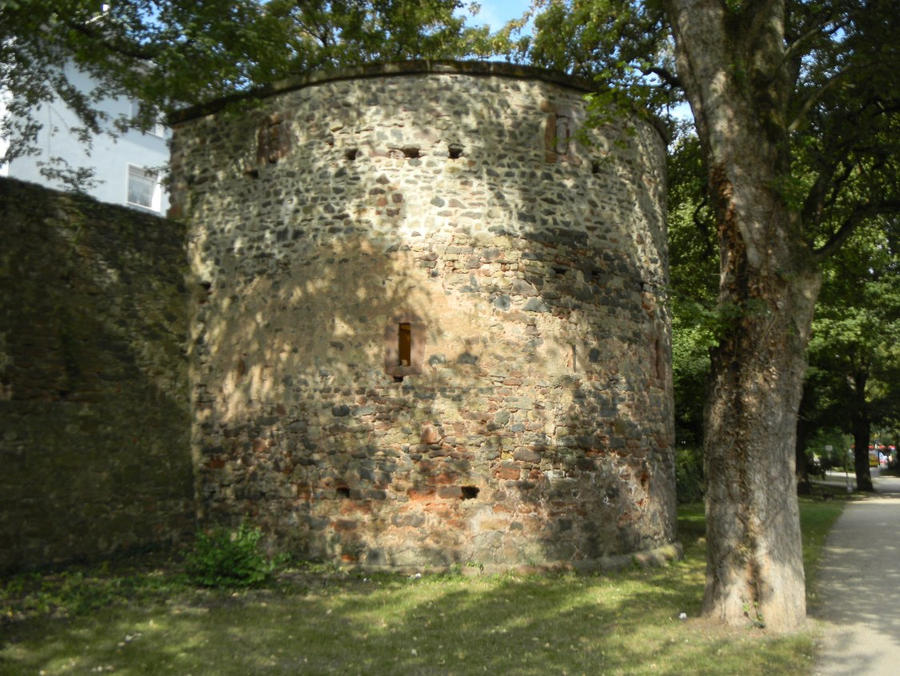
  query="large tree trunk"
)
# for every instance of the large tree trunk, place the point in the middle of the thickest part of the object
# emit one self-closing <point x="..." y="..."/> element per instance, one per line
<point x="754" y="553"/>
<point x="734" y="78"/>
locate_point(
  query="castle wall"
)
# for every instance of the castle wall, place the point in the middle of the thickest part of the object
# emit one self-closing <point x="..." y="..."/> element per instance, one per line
<point x="428" y="321"/>
<point x="94" y="414"/>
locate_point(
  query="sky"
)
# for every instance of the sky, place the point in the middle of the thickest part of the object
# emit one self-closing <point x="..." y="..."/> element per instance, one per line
<point x="497" y="12"/>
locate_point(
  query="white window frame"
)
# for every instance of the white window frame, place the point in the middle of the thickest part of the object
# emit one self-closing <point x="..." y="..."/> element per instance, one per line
<point x="158" y="129"/>
<point x="144" y="174"/>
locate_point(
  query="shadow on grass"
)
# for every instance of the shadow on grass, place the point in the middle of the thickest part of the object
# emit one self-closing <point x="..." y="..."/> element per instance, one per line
<point x="625" y="622"/>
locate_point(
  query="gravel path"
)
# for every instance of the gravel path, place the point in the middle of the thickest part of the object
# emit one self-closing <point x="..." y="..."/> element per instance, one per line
<point x="859" y="588"/>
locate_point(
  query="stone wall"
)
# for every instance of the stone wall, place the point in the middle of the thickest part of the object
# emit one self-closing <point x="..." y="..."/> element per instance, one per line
<point x="94" y="426"/>
<point x="428" y="324"/>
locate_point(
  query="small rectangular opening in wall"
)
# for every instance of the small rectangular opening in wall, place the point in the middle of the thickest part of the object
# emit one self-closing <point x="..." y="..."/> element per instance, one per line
<point x="558" y="132"/>
<point x="343" y="492"/>
<point x="563" y="134"/>
<point x="273" y="140"/>
<point x="469" y="492"/>
<point x="404" y="344"/>
<point x="658" y="364"/>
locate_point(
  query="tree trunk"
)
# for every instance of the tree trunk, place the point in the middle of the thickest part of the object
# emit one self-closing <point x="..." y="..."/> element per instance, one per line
<point x="862" y="432"/>
<point x="754" y="553"/>
<point x="734" y="78"/>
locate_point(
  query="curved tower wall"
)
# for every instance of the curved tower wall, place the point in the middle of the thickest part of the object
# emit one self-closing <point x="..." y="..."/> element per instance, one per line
<point x="428" y="324"/>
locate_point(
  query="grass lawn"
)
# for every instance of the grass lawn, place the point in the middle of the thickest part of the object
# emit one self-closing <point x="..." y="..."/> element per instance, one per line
<point x="148" y="620"/>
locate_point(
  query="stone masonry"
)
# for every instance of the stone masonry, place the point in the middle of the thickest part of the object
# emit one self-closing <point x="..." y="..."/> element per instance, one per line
<point x="94" y="403"/>
<point x="428" y="319"/>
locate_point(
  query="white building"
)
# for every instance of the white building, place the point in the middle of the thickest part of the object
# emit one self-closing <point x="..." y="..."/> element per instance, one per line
<point x="127" y="167"/>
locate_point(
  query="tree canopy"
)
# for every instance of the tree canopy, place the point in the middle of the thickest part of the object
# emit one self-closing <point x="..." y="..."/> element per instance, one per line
<point x="171" y="53"/>
<point x="854" y="353"/>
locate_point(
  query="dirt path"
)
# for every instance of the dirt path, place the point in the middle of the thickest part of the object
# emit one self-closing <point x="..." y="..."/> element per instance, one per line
<point x="859" y="588"/>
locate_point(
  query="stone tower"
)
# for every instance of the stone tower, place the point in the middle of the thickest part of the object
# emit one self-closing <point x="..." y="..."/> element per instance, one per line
<point x="429" y="324"/>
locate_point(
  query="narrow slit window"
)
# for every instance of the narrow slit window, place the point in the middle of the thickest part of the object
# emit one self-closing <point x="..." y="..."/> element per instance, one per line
<point x="563" y="134"/>
<point x="659" y="365"/>
<point x="404" y="344"/>
<point x="273" y="140"/>
<point x="559" y="130"/>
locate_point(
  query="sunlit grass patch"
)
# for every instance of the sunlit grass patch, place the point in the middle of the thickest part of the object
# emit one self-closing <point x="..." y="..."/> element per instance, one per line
<point x="323" y="620"/>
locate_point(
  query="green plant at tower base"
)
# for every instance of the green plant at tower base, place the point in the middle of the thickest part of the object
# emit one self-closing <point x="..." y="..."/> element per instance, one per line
<point x="229" y="558"/>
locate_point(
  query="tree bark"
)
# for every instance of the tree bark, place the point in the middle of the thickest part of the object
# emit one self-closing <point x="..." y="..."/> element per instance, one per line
<point x="754" y="554"/>
<point x="733" y="72"/>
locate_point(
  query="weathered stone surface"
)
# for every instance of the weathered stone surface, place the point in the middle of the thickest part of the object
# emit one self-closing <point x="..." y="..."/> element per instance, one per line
<point x="94" y="406"/>
<point x="428" y="295"/>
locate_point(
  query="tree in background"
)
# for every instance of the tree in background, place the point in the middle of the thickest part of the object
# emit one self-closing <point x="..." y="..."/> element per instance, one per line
<point x="156" y="52"/>
<point x="692" y="293"/>
<point x="796" y="112"/>
<point x="854" y="351"/>
<point x="327" y="34"/>
<point x="172" y="53"/>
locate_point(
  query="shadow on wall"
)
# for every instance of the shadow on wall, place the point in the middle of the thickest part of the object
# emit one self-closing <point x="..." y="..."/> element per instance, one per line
<point x="93" y="379"/>
<point x="528" y="417"/>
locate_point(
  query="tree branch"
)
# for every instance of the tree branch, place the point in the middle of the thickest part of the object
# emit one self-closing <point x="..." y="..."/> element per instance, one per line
<point x="828" y="182"/>
<point x="129" y="49"/>
<point x="796" y="44"/>
<point x="666" y="76"/>
<point x="816" y="96"/>
<point x="859" y="214"/>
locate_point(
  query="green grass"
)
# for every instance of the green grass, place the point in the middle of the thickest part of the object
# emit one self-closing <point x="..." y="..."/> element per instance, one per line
<point x="149" y="620"/>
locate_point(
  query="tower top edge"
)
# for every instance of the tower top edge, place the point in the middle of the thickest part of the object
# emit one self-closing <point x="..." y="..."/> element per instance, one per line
<point x="389" y="69"/>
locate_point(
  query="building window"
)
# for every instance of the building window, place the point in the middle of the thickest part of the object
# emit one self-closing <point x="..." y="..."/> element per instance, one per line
<point x="143" y="188"/>
<point x="156" y="129"/>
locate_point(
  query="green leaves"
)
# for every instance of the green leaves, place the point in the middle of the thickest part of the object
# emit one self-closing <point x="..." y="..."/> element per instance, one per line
<point x="854" y="353"/>
<point x="624" y="46"/>
<point x="171" y="53"/>
<point x="226" y="558"/>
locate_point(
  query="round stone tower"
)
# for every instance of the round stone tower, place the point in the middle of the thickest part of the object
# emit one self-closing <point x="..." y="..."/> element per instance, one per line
<point x="429" y="324"/>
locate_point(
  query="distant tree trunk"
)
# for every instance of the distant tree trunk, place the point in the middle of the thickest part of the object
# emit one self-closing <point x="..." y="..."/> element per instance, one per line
<point x="861" y="433"/>
<point x="736" y="84"/>
<point x="804" y="486"/>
